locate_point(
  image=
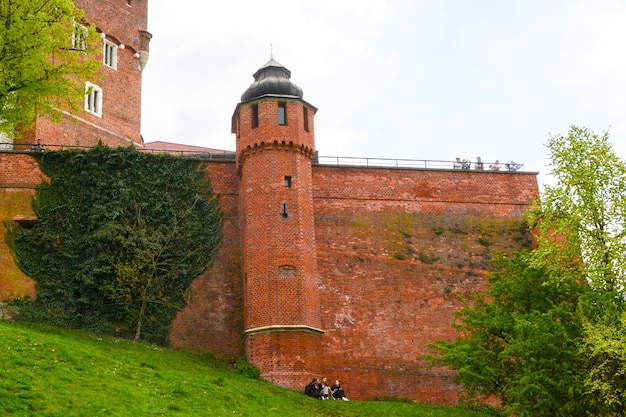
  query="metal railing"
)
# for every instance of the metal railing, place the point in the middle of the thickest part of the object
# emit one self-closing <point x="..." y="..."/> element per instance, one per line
<point x="347" y="161"/>
<point x="40" y="147"/>
<point x="417" y="163"/>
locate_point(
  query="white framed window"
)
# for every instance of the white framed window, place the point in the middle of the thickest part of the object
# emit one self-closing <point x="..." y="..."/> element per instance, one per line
<point x="93" y="99"/>
<point x="79" y="37"/>
<point x="109" y="54"/>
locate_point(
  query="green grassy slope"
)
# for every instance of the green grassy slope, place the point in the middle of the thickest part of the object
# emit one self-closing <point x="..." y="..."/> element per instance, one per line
<point x="46" y="371"/>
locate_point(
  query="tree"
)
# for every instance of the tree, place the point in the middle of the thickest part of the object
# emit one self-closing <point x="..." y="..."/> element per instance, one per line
<point x="44" y="57"/>
<point x="548" y="337"/>
<point x="519" y="342"/>
<point x="120" y="235"/>
<point x="587" y="206"/>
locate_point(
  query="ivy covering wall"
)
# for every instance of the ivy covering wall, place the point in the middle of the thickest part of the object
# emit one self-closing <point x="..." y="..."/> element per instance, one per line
<point x="119" y="237"/>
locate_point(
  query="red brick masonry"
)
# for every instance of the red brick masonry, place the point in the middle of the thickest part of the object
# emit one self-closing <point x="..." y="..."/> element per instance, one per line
<point x="395" y="250"/>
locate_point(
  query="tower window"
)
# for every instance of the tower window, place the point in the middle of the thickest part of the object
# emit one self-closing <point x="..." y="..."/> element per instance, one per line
<point x="305" y="117"/>
<point x="255" y="116"/>
<point x="129" y="2"/>
<point x="109" y="54"/>
<point x="288" y="181"/>
<point x="284" y="211"/>
<point x="93" y="99"/>
<point x="282" y="113"/>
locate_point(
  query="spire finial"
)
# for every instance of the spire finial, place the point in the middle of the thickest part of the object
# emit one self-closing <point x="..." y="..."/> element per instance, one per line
<point x="271" y="51"/>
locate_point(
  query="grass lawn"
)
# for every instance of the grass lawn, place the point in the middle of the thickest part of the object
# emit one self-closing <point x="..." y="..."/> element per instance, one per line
<point x="46" y="371"/>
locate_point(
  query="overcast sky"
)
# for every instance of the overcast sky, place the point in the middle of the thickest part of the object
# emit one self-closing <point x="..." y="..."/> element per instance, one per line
<point x="414" y="79"/>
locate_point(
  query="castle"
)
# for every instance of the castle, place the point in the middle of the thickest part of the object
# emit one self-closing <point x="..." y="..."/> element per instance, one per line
<point x="338" y="270"/>
<point x="112" y="107"/>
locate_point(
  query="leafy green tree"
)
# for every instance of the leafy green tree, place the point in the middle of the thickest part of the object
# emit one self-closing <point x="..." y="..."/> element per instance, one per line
<point x="605" y="350"/>
<point x="519" y="342"/>
<point x="587" y="207"/>
<point x="44" y="60"/>
<point x="120" y="235"/>
<point x="549" y="337"/>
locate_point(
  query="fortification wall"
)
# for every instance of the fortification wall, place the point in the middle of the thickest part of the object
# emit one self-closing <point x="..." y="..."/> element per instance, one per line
<point x="213" y="319"/>
<point x="395" y="248"/>
<point x="19" y="174"/>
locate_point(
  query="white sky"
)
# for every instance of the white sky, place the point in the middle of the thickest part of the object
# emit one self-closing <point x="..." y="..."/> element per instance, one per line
<point x="411" y="79"/>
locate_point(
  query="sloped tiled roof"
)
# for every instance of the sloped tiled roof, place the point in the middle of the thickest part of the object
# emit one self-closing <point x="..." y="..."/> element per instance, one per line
<point x="178" y="149"/>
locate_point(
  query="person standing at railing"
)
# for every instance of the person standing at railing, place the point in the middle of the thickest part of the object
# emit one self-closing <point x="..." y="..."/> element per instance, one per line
<point x="38" y="146"/>
<point x="512" y="166"/>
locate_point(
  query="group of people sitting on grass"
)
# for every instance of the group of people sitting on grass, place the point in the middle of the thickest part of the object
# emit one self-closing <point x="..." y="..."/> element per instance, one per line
<point x="319" y="388"/>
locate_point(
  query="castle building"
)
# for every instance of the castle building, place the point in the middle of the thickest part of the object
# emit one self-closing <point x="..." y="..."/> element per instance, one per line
<point x="112" y="106"/>
<point x="341" y="270"/>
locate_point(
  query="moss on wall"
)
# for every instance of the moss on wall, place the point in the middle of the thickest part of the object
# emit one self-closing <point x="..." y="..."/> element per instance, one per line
<point x="15" y="204"/>
<point x="449" y="240"/>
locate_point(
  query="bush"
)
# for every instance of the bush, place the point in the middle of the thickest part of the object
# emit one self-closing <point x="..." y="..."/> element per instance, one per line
<point x="247" y="369"/>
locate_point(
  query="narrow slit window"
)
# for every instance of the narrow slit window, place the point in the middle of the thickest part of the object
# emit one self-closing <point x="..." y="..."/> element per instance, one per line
<point x="282" y="113"/>
<point x="255" y="116"/>
<point x="284" y="211"/>
<point x="305" y="117"/>
<point x="287" y="181"/>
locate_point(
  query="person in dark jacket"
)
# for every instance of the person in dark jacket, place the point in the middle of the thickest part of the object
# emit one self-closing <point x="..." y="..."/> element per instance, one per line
<point x="338" y="392"/>
<point x="314" y="389"/>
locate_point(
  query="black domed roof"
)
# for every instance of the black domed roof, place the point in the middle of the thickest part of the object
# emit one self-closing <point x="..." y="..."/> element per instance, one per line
<point x="272" y="78"/>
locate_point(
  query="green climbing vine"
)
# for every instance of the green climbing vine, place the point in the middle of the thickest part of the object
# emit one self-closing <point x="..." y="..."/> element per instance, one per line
<point x="120" y="235"/>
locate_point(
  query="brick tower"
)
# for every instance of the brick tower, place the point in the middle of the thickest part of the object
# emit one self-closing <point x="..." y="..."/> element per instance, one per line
<point x="112" y="106"/>
<point x="275" y="148"/>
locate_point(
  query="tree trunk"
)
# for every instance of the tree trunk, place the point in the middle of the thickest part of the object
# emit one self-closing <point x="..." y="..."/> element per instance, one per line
<point x="142" y="312"/>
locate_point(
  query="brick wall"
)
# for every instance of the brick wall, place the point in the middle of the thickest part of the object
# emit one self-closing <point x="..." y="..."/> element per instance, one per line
<point x="213" y="319"/>
<point x="287" y="358"/>
<point x="395" y="250"/>
<point x="19" y="174"/>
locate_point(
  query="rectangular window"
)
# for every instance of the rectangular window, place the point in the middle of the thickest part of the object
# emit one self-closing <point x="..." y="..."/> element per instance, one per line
<point x="79" y="37"/>
<point x="255" y="116"/>
<point x="93" y="99"/>
<point x="288" y="181"/>
<point x="282" y="113"/>
<point x="305" y="116"/>
<point x="109" y="54"/>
